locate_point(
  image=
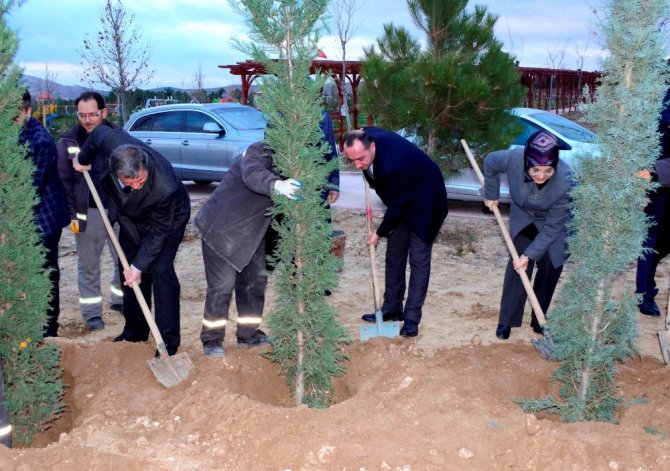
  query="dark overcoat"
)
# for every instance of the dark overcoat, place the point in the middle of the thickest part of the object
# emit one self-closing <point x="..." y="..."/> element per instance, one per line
<point x="410" y="184"/>
<point x="234" y="220"/>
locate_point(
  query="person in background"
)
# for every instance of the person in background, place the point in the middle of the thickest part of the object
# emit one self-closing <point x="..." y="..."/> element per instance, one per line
<point x="411" y="186"/>
<point x="332" y="193"/>
<point x="51" y="210"/>
<point x="657" y="242"/>
<point x="89" y="231"/>
<point x="539" y="185"/>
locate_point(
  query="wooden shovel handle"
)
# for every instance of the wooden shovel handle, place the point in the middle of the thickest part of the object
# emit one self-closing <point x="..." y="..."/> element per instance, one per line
<point x="373" y="249"/>
<point x="124" y="261"/>
<point x="508" y="240"/>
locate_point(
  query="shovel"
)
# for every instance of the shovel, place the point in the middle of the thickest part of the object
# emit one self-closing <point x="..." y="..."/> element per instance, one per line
<point x="544" y="346"/>
<point x="169" y="370"/>
<point x="664" y="335"/>
<point x="379" y="328"/>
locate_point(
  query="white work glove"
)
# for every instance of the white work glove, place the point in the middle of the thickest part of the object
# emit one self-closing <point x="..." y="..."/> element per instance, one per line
<point x="73" y="151"/>
<point x="289" y="188"/>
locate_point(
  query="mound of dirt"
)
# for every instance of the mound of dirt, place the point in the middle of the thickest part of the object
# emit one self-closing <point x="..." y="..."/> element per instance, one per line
<point x="442" y="400"/>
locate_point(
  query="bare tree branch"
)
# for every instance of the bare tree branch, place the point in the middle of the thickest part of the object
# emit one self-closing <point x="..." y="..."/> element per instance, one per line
<point x="49" y="83"/>
<point x="343" y="12"/>
<point x="117" y="58"/>
<point x="199" y="94"/>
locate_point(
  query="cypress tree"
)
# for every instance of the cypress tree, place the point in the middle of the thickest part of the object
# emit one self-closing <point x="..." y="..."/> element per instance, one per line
<point x="595" y="328"/>
<point x="459" y="86"/>
<point x="32" y="377"/>
<point x="306" y="337"/>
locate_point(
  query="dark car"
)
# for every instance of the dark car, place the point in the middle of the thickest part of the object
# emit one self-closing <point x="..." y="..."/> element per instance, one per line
<point x="200" y="140"/>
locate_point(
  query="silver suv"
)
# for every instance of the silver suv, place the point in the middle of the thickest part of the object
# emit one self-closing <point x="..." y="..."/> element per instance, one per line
<point x="201" y="141"/>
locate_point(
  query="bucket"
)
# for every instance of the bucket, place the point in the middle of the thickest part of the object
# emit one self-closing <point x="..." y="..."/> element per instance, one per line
<point x="339" y="238"/>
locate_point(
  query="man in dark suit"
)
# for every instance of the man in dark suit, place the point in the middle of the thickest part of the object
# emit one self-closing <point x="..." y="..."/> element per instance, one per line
<point x="411" y="186"/>
<point x="152" y="207"/>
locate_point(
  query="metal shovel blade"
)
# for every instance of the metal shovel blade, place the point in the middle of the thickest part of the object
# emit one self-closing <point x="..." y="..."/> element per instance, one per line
<point x="171" y="370"/>
<point x="379" y="328"/>
<point x="664" y="341"/>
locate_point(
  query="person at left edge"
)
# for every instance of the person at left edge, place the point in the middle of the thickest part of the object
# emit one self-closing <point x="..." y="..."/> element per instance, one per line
<point x="51" y="212"/>
<point x="153" y="208"/>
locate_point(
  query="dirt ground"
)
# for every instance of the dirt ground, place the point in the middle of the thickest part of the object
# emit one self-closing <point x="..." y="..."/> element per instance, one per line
<point x="440" y="401"/>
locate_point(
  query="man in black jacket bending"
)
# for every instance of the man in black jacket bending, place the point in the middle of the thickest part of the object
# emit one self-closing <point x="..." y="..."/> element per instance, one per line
<point x="153" y="208"/>
<point x="411" y="186"/>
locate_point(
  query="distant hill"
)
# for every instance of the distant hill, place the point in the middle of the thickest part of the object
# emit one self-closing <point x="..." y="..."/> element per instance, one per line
<point x="36" y="86"/>
<point x="227" y="88"/>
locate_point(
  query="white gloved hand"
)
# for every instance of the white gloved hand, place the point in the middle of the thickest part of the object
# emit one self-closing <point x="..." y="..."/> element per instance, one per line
<point x="289" y="188"/>
<point x="73" y="150"/>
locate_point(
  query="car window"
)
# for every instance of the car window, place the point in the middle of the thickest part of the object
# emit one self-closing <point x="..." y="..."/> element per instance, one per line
<point x="567" y="128"/>
<point x="242" y="117"/>
<point x="168" y="122"/>
<point x="196" y="120"/>
<point x="528" y="128"/>
<point x="143" y="124"/>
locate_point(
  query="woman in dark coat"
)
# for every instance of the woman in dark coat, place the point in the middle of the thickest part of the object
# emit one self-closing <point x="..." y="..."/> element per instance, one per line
<point x="539" y="185"/>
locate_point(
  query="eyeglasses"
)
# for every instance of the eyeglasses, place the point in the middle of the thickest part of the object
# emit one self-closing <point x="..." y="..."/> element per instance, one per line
<point x="535" y="172"/>
<point x="85" y="116"/>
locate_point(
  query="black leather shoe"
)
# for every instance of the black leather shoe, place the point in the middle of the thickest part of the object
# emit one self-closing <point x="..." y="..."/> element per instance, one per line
<point x="409" y="329"/>
<point x="259" y="338"/>
<point x="649" y="308"/>
<point x="503" y="331"/>
<point x="537" y="328"/>
<point x="127" y="337"/>
<point x="387" y="317"/>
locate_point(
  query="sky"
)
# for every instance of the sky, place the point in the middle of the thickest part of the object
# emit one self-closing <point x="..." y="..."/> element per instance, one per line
<point x="188" y="35"/>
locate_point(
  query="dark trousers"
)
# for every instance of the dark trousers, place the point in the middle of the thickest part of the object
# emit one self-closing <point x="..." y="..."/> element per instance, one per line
<point x="514" y="294"/>
<point x="162" y="279"/>
<point x="249" y="286"/>
<point x="50" y="242"/>
<point x="657" y="242"/>
<point x="403" y="244"/>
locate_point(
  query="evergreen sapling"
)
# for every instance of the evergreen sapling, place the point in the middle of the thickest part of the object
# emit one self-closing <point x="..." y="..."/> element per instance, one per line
<point x="306" y="336"/>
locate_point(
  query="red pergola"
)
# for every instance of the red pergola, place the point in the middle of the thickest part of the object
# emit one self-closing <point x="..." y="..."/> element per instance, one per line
<point x="250" y="71"/>
<point x="554" y="89"/>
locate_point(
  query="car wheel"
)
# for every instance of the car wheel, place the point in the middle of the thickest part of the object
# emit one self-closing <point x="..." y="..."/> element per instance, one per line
<point x="202" y="182"/>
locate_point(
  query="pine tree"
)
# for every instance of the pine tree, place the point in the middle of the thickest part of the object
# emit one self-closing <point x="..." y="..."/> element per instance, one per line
<point x="306" y="336"/>
<point x="595" y="328"/>
<point x="459" y="86"/>
<point x="32" y="377"/>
